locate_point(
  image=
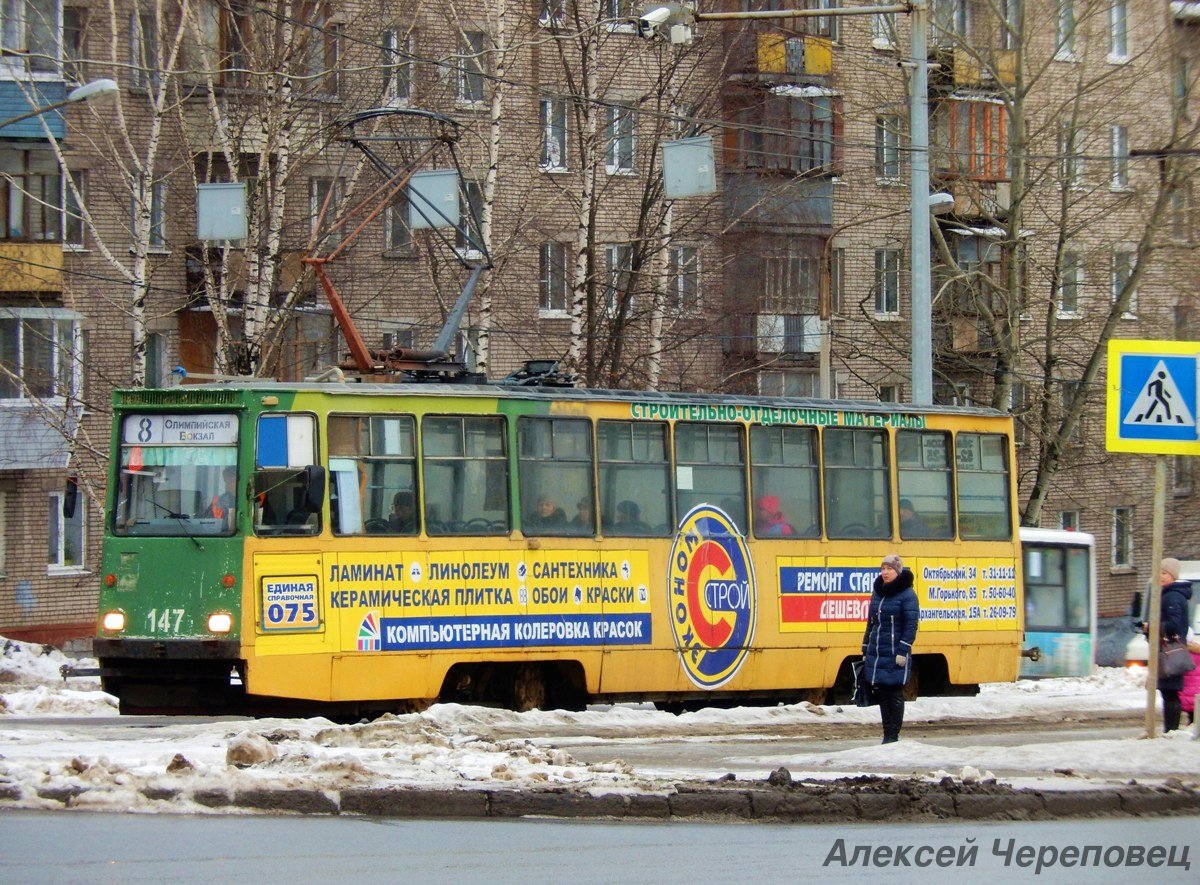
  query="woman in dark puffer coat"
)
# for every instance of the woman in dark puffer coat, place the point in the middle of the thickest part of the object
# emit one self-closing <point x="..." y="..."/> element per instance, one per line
<point x="887" y="642"/>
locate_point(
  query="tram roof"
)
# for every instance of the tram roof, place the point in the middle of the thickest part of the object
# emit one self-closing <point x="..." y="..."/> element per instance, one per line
<point x="558" y="394"/>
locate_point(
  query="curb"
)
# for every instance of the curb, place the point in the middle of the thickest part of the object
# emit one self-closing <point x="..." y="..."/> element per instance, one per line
<point x="849" y="800"/>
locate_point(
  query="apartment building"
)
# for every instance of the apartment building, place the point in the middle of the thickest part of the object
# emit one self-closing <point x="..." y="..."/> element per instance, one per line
<point x="793" y="279"/>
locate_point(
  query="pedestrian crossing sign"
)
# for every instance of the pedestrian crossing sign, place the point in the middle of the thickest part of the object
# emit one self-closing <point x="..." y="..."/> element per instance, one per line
<point x="1152" y="398"/>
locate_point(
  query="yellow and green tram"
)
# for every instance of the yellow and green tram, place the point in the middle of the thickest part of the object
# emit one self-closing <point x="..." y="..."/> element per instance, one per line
<point x="353" y="547"/>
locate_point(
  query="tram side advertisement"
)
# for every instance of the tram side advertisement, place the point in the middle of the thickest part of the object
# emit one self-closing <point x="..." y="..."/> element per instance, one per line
<point x="955" y="594"/>
<point x="493" y="599"/>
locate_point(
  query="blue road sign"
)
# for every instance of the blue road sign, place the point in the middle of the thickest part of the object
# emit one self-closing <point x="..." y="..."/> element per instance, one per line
<point x="1153" y="397"/>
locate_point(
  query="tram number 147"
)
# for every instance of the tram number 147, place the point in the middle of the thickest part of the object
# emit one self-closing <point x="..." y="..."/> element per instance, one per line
<point x="167" y="620"/>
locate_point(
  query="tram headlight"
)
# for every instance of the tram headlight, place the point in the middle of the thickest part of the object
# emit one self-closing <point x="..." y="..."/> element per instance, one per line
<point x="113" y="622"/>
<point x="220" y="622"/>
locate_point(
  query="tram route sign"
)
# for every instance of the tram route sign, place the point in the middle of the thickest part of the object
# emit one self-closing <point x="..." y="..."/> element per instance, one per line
<point x="1153" y="404"/>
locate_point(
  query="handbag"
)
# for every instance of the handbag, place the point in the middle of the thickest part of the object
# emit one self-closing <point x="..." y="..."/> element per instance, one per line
<point x="1174" y="659"/>
<point x="863" y="696"/>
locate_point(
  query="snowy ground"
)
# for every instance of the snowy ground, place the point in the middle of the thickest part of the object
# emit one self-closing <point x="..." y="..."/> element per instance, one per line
<point x="44" y="745"/>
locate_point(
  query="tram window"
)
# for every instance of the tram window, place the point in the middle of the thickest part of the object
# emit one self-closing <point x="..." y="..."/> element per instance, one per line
<point x="856" y="484"/>
<point x="466" y="475"/>
<point x="285" y="445"/>
<point x="373" y="462"/>
<point x="925" y="484"/>
<point x="555" y="468"/>
<point x="983" y="502"/>
<point x="1056" y="588"/>
<point x="710" y="468"/>
<point x="785" y="484"/>
<point x="634" y="468"/>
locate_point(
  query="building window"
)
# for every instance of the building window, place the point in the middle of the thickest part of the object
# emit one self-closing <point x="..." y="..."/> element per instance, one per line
<point x="1070" y="284"/>
<point x="1068" y="520"/>
<point x="321" y="48"/>
<point x="156" y="236"/>
<point x="791" y="280"/>
<point x="952" y="393"/>
<point x="325" y="196"/>
<point x="397" y="235"/>
<point x="66" y="534"/>
<point x="1064" y="31"/>
<point x="1179" y="213"/>
<point x="40" y="350"/>
<point x="398" y="66"/>
<point x="1122" y="537"/>
<point x="143" y="50"/>
<point x="889" y="393"/>
<point x="684" y="275"/>
<point x="1120" y="158"/>
<point x="789" y="383"/>
<point x="1010" y="13"/>
<point x="951" y="21"/>
<point x="619" y="138"/>
<point x="74" y="43"/>
<point x="215" y="48"/>
<point x="1118" y="30"/>
<point x="156" y="359"/>
<point x="887" y="282"/>
<point x="887" y="146"/>
<point x="789" y="134"/>
<point x="618" y="14"/>
<point x="1070" y="152"/>
<point x="971" y="138"/>
<point x="1181" y="475"/>
<point x="883" y="31"/>
<point x="472" y="66"/>
<point x="30" y="31"/>
<point x="1123" y="262"/>
<point x="552" y="13"/>
<point x="554" y="290"/>
<point x="837" y="279"/>
<point x="553" y="120"/>
<point x="617" y="300"/>
<point x="31" y="191"/>
<point x="73" y="226"/>
<point x="470" y="213"/>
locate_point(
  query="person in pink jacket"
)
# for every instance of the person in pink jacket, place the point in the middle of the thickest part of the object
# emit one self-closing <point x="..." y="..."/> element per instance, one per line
<point x="1191" y="681"/>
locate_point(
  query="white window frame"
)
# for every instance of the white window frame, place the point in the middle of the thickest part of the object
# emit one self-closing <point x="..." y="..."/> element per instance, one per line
<point x="1068" y="520"/>
<point x="887" y="283"/>
<point x="1119" y="180"/>
<point x="685" y="276"/>
<point x="70" y="364"/>
<point x="618" y="262"/>
<point x="71" y="210"/>
<point x="775" y="382"/>
<point x="1118" y="31"/>
<point x="887" y="148"/>
<point x="57" y="525"/>
<point x="143" y="50"/>
<point x="1126" y="260"/>
<point x="546" y="282"/>
<point x="17" y="59"/>
<point x="1066" y="26"/>
<point x="883" y="31"/>
<point x="396" y="212"/>
<point x="398" y="51"/>
<point x="1070" y="151"/>
<point x="1122" y="544"/>
<point x="620" y="138"/>
<point x="890" y="393"/>
<point x="618" y="16"/>
<point x="316" y="196"/>
<point x="157" y="240"/>
<point x="553" y="114"/>
<point x="470" y="192"/>
<point x="1010" y="14"/>
<point x="472" y="63"/>
<point x="1073" y="261"/>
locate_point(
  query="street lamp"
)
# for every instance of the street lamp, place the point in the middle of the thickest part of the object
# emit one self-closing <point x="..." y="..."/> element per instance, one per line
<point x="86" y="92"/>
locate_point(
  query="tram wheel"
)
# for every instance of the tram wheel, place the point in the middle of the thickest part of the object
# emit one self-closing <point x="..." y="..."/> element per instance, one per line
<point x="529" y="688"/>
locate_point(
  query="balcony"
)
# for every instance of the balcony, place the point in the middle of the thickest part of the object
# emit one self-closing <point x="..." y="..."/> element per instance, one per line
<point x="769" y="54"/>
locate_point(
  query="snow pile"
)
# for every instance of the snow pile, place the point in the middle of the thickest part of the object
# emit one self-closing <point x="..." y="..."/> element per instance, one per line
<point x="48" y="759"/>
